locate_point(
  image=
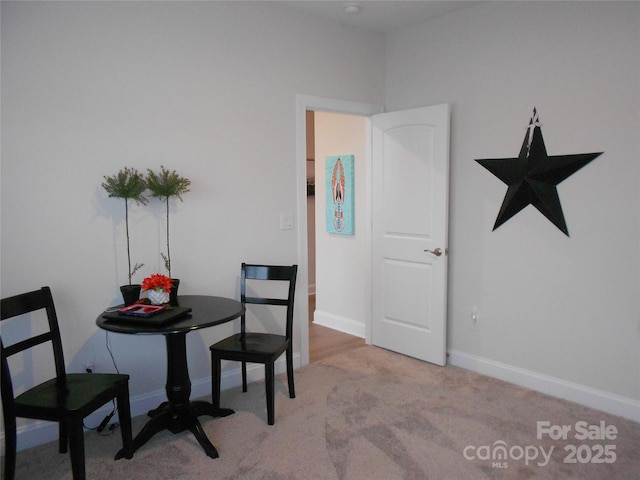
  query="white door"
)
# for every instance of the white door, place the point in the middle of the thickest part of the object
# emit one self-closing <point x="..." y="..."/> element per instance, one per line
<point x="410" y="180"/>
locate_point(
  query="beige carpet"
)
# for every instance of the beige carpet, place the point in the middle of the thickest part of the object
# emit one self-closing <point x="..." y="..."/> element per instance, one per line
<point x="372" y="414"/>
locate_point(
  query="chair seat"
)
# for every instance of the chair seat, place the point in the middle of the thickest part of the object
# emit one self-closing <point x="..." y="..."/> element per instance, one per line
<point x="85" y="392"/>
<point x="266" y="344"/>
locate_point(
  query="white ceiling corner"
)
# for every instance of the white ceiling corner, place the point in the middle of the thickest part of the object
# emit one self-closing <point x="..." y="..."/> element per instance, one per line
<point x="381" y="16"/>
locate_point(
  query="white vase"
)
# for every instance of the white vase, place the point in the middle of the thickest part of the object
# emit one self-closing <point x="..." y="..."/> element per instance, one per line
<point x="158" y="297"/>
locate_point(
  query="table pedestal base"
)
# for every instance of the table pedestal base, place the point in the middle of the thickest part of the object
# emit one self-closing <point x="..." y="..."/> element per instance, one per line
<point x="176" y="420"/>
<point x="178" y="413"/>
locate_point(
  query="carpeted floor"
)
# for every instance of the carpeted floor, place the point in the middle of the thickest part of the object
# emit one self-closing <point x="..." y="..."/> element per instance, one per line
<point x="372" y="414"/>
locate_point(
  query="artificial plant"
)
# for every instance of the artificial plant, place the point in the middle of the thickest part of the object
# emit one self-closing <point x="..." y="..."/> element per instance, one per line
<point x="128" y="184"/>
<point x="164" y="185"/>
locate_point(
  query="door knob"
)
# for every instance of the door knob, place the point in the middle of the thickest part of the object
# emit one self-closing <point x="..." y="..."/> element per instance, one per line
<point x="437" y="252"/>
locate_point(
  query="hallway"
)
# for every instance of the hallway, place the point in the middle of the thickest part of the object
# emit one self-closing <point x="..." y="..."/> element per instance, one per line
<point x="325" y="342"/>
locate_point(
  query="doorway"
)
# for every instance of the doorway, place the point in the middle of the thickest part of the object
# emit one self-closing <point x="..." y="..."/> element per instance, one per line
<point x="426" y="144"/>
<point x="305" y="305"/>
<point x="336" y="297"/>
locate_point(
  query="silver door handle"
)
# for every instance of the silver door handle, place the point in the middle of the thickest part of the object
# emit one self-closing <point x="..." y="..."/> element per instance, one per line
<point x="437" y="252"/>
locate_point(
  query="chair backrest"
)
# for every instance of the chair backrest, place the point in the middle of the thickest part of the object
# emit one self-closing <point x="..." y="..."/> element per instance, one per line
<point x="286" y="273"/>
<point x="20" y="305"/>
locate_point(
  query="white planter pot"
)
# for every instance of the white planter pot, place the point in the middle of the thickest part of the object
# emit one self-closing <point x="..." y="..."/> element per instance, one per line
<point x="158" y="297"/>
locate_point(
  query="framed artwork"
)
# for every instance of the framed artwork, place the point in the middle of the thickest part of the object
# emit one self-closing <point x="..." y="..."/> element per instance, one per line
<point x="340" y="216"/>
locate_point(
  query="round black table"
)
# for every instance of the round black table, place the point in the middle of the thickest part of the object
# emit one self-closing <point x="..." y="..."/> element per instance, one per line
<point x="178" y="413"/>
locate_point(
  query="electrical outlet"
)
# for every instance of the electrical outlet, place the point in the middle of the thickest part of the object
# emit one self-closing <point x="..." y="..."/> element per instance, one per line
<point x="90" y="364"/>
<point x="475" y="319"/>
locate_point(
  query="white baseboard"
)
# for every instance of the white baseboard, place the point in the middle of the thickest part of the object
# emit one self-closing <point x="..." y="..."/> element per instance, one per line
<point x="31" y="433"/>
<point x="583" y="395"/>
<point x="342" y="324"/>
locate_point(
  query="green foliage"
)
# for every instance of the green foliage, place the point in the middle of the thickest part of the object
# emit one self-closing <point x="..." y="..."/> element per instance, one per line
<point x="167" y="184"/>
<point x="127" y="184"/>
<point x="167" y="261"/>
<point x="133" y="270"/>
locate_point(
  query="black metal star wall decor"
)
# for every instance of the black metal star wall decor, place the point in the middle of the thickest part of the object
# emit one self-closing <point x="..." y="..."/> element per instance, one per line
<point x="533" y="176"/>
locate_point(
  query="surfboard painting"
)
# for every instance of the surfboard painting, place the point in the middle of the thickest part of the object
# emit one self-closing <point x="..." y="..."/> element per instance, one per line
<point x="340" y="194"/>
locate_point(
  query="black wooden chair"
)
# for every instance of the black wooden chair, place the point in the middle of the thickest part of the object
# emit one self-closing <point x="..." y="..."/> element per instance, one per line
<point x="262" y="348"/>
<point x="67" y="398"/>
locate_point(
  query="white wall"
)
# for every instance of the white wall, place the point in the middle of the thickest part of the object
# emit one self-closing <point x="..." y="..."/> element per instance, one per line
<point x="206" y="88"/>
<point x="555" y="307"/>
<point x="341" y="259"/>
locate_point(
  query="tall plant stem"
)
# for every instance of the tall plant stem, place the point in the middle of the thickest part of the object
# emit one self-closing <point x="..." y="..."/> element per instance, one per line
<point x="168" y="252"/>
<point x="126" y="218"/>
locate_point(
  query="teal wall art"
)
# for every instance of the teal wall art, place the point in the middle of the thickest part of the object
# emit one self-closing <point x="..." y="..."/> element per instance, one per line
<point x="340" y="217"/>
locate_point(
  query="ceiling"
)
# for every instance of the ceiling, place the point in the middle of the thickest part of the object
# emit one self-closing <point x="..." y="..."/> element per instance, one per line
<point x="379" y="15"/>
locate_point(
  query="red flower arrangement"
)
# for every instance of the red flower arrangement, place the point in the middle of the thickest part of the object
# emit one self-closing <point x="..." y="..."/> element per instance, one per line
<point x="157" y="281"/>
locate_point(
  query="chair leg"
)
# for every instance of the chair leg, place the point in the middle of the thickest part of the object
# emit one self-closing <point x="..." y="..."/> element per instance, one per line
<point x="244" y="376"/>
<point x="269" y="381"/>
<point x="10" y="439"/>
<point x="124" y="414"/>
<point x="63" y="436"/>
<point x="292" y="389"/>
<point x="215" y="380"/>
<point x="76" y="447"/>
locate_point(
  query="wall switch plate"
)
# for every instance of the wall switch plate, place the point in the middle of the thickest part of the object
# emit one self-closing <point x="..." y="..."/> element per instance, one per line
<point x="286" y="221"/>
